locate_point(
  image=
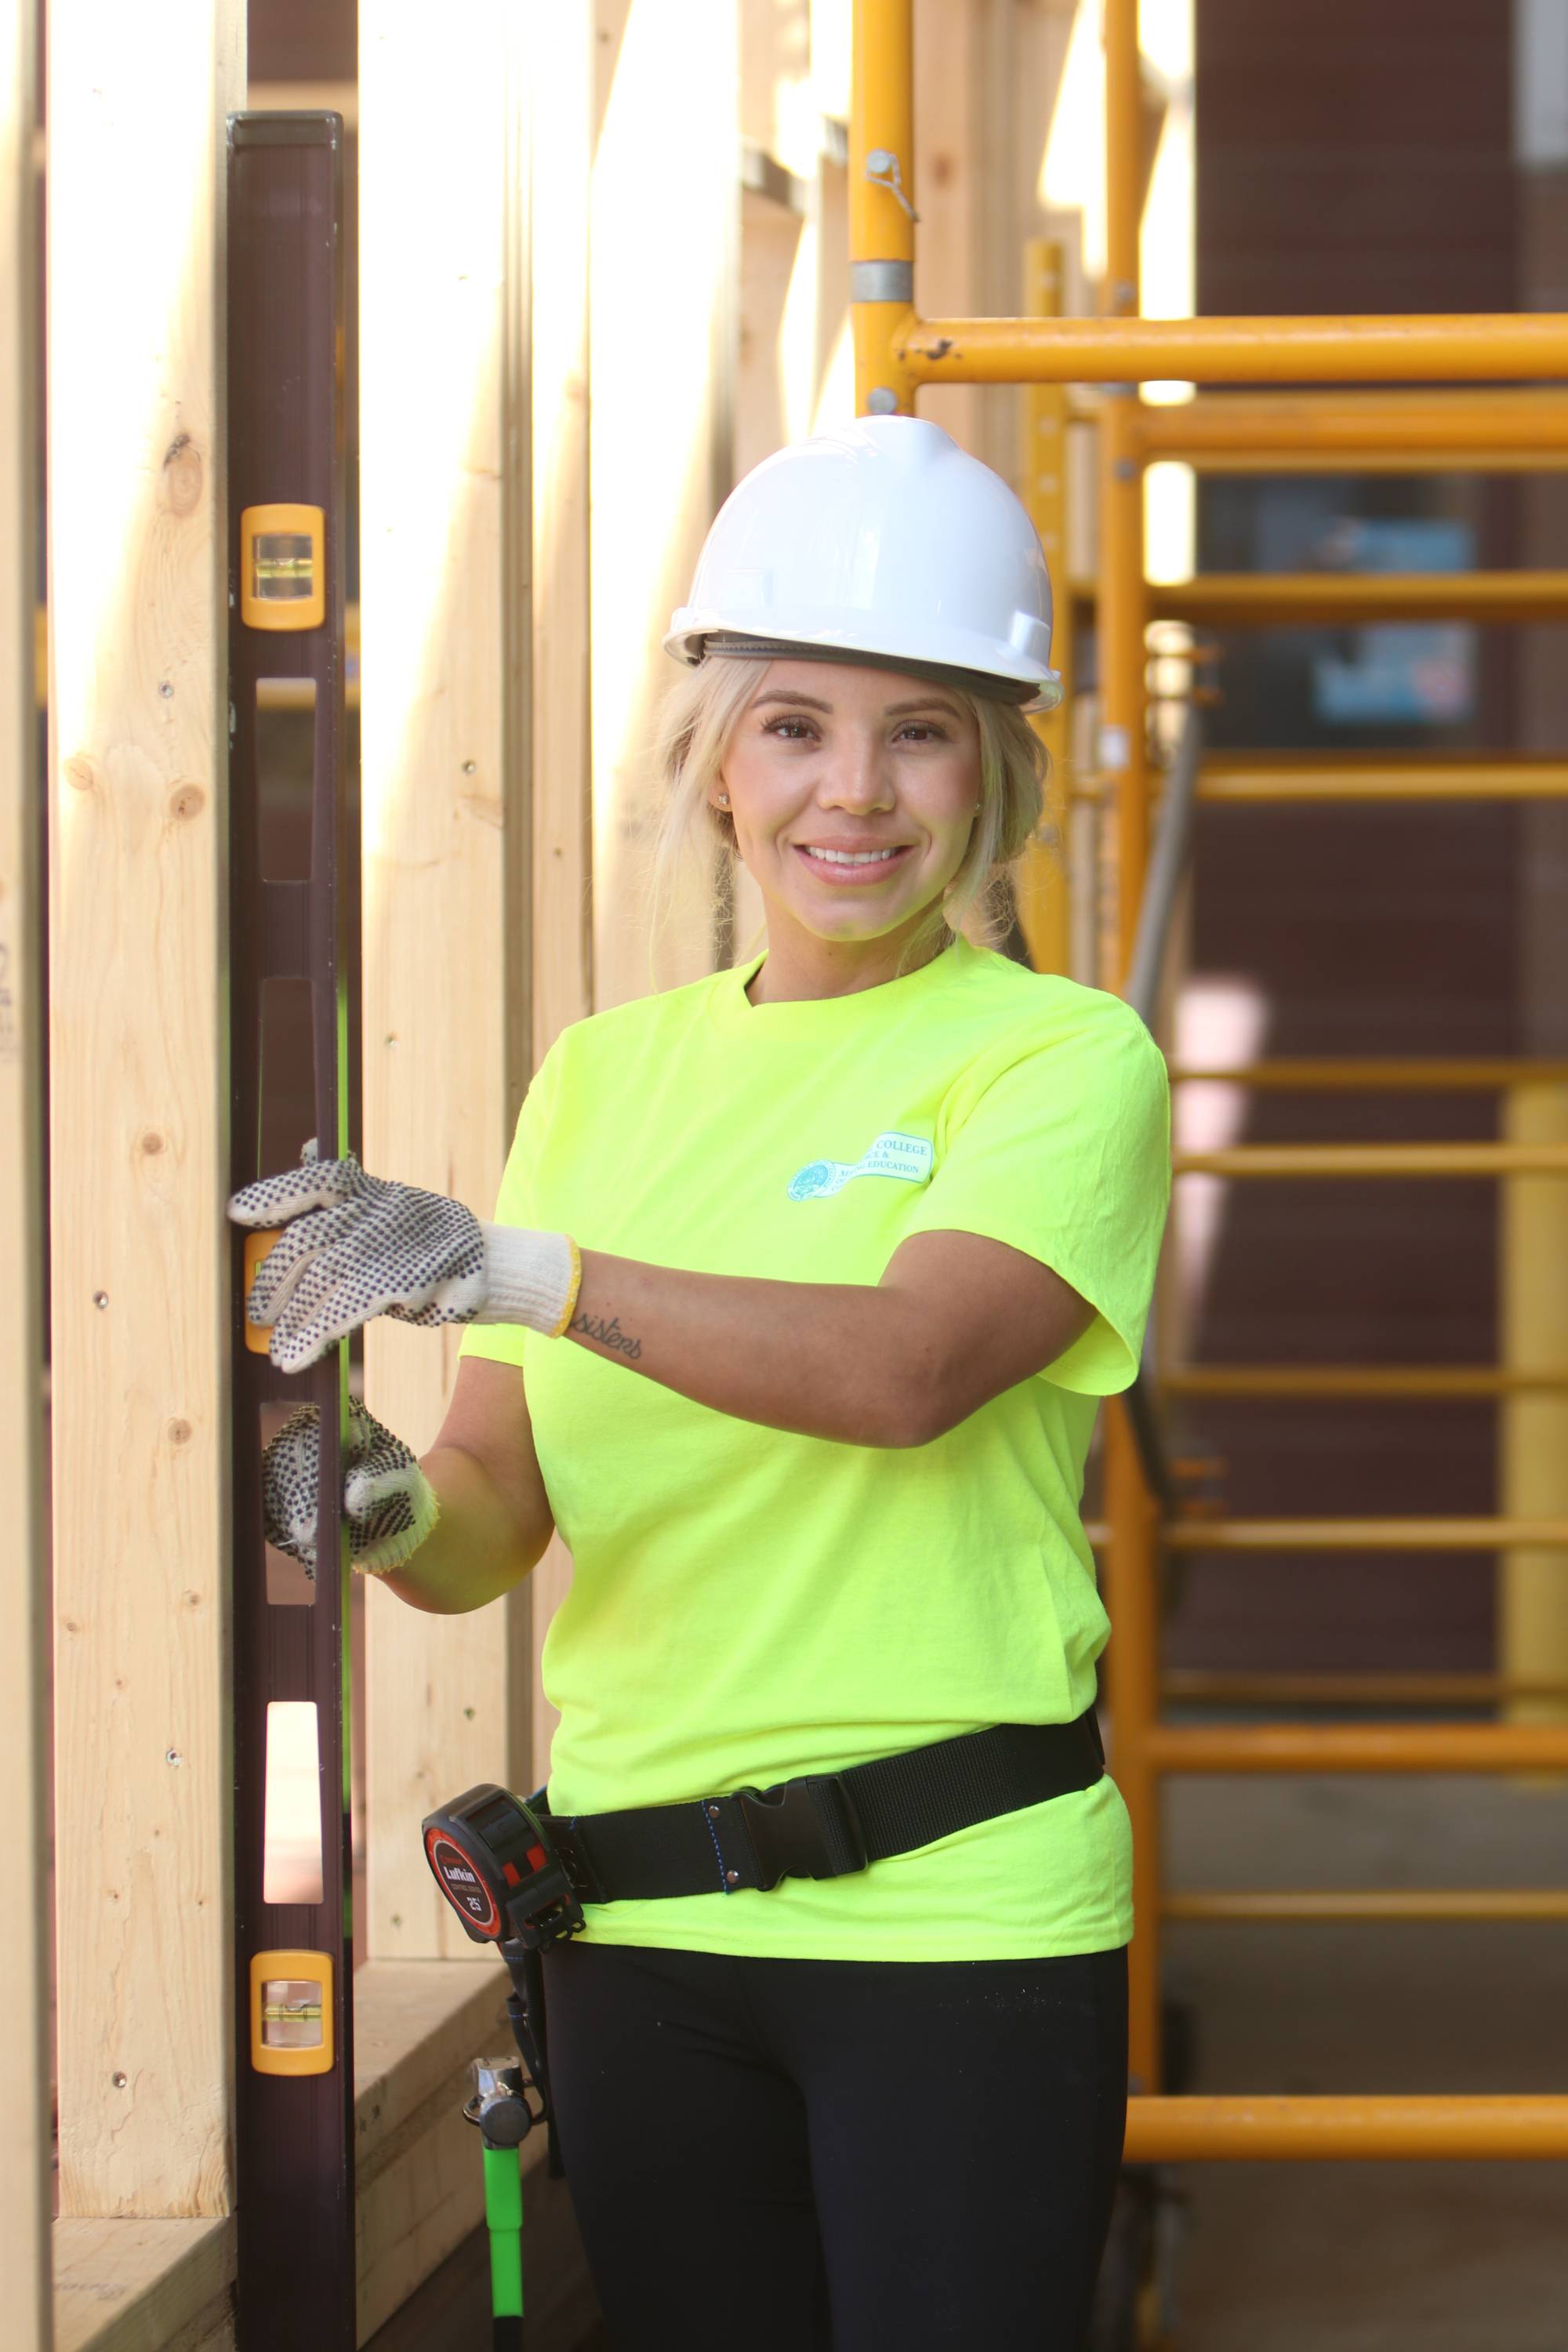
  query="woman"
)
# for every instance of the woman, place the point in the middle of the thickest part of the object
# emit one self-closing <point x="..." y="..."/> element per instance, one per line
<point x="864" y="1229"/>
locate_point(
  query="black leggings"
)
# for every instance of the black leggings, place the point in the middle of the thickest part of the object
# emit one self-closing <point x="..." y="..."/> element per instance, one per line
<point x="839" y="2155"/>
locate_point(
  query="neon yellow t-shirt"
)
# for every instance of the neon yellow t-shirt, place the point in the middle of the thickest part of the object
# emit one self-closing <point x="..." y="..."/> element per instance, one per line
<point x="747" y="1604"/>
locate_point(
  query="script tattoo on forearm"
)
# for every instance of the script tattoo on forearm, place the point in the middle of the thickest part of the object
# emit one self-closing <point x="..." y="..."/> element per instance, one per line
<point x="609" y="1334"/>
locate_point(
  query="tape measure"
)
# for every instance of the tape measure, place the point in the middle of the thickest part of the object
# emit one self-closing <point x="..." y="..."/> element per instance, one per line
<point x="493" y="1861"/>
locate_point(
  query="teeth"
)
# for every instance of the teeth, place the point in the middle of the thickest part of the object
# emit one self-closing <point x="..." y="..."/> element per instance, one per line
<point x="852" y="857"/>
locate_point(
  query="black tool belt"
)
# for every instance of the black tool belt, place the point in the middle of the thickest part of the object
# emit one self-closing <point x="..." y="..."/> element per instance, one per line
<point x="824" y="1824"/>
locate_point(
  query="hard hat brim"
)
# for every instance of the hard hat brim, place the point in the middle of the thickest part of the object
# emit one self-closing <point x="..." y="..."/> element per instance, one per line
<point x="1037" y="691"/>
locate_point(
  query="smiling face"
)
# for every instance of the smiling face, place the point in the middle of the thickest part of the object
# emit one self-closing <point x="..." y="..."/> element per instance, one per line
<point x="853" y="794"/>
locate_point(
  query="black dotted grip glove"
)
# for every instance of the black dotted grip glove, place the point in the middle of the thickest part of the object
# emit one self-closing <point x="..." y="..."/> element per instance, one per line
<point x="354" y="1246"/>
<point x="389" y="1504"/>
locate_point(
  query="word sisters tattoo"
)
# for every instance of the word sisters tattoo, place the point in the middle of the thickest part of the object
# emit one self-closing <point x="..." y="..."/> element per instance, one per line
<point x="609" y="1334"/>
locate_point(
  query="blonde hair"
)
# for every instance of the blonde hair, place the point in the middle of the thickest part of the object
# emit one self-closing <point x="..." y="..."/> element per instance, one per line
<point x="696" y="723"/>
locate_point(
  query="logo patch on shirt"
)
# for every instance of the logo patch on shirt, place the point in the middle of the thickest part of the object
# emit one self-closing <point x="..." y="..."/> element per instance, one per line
<point x="907" y="1157"/>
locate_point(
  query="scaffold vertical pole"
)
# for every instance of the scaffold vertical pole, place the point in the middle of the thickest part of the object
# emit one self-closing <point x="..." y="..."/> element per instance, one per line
<point x="1133" y="1693"/>
<point x="1532" y="1290"/>
<point x="1132" y="1558"/>
<point x="881" y="201"/>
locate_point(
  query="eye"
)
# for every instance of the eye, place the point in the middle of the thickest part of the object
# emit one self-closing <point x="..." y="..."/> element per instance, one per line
<point x="790" y="730"/>
<point x="924" y="730"/>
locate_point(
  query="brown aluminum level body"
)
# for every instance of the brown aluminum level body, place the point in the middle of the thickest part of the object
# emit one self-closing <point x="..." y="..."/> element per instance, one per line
<point x="294" y="2135"/>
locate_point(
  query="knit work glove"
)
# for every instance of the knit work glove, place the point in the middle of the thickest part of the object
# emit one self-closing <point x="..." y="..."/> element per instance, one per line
<point x="356" y="1246"/>
<point x="388" y="1503"/>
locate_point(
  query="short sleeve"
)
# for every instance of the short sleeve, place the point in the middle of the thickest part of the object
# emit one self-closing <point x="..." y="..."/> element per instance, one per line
<point x="1058" y="1143"/>
<point x="502" y="1343"/>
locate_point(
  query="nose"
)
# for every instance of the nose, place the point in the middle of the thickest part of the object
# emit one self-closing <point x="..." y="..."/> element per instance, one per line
<point x="858" y="777"/>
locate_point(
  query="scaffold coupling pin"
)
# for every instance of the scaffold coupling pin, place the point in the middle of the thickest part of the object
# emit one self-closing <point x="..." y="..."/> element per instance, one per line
<point x="882" y="170"/>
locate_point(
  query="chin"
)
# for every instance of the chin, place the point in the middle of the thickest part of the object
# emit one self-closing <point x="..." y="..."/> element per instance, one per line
<point x="851" y="930"/>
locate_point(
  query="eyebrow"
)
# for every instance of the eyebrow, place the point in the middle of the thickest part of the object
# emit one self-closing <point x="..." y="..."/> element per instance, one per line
<point x="925" y="702"/>
<point x="893" y="711"/>
<point x="784" y="694"/>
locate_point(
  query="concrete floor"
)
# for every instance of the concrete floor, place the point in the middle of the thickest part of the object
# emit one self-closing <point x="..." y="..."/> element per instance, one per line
<point x="1373" y="2258"/>
<point x="1322" y="2258"/>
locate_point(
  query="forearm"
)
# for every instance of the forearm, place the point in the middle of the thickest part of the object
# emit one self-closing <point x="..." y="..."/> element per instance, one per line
<point x="840" y="1360"/>
<point x="479" y="1547"/>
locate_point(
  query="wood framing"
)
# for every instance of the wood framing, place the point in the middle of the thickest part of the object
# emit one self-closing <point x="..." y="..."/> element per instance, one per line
<point x="444" y="557"/>
<point x="144" y="2286"/>
<point x="950" y="178"/>
<point x="665" y="223"/>
<point x="561" y="82"/>
<point x="167" y="2286"/>
<point x="416" y="2163"/>
<point x="137" y="761"/>
<point x="420" y="2180"/>
<point x="24" y="1638"/>
<point x="561" y="79"/>
<point x="1041" y="878"/>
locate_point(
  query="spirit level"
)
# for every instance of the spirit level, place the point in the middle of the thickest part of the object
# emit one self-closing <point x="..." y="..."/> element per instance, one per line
<point x="294" y="2139"/>
<point x="283" y="567"/>
<point x="291" y="2012"/>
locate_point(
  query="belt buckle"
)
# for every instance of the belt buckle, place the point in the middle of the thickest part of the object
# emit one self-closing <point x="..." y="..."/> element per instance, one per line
<point x="806" y="1828"/>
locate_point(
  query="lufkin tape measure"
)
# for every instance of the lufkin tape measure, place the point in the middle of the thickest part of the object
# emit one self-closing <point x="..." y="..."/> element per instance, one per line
<point x="493" y="1861"/>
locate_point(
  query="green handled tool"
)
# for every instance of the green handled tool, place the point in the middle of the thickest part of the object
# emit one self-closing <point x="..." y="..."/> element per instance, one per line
<point x="493" y="1861"/>
<point x="505" y="2119"/>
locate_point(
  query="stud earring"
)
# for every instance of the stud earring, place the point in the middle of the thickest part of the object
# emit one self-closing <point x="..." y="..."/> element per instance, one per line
<point x="723" y="800"/>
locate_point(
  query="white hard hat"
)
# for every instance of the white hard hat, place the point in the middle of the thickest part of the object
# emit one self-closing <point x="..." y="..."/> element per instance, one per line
<point x="882" y="540"/>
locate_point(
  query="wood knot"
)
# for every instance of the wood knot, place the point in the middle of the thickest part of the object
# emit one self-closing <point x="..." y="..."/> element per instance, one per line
<point x="80" y="773"/>
<point x="179" y="1432"/>
<point x="186" y="801"/>
<point x="180" y="483"/>
<point x="151" y="1143"/>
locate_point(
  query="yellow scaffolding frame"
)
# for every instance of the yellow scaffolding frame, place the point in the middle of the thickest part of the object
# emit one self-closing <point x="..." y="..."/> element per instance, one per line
<point x="1367" y="432"/>
<point x="895" y="352"/>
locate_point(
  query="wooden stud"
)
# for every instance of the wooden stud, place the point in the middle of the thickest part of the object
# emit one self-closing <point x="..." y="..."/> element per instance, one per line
<point x="444" y="557"/>
<point x="126" y="2286"/>
<point x="664" y="223"/>
<point x="948" y="187"/>
<point x="419" y="2178"/>
<point x="141" y="1268"/>
<point x="561" y="78"/>
<point x="24" y="1623"/>
<point x="772" y="364"/>
<point x="1041" y="883"/>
